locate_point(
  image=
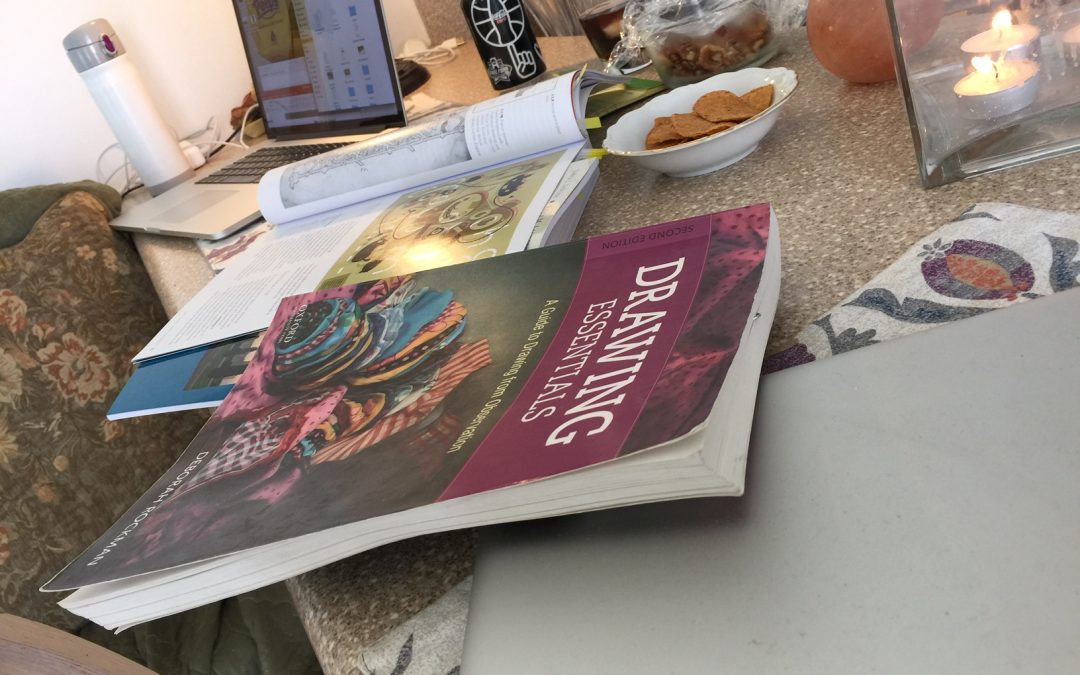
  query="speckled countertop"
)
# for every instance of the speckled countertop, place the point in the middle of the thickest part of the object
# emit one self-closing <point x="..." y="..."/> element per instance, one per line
<point x="839" y="168"/>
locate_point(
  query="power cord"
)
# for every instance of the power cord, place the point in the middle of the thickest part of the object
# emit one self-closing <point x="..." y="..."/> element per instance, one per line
<point x="243" y="124"/>
<point x="415" y="50"/>
<point x="131" y="189"/>
<point x="130" y="184"/>
<point x="223" y="143"/>
<point x="212" y="128"/>
<point x="100" y="171"/>
<point x="126" y="167"/>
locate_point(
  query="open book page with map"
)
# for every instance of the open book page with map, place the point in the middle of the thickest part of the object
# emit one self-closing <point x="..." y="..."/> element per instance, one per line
<point x="465" y="217"/>
<point x="615" y="370"/>
<point x="322" y="204"/>
<point x="534" y="119"/>
<point x="455" y="221"/>
<point x="470" y="219"/>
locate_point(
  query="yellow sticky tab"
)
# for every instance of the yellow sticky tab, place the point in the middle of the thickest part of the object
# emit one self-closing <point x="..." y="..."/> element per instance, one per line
<point x="597" y="153"/>
<point x="592" y="123"/>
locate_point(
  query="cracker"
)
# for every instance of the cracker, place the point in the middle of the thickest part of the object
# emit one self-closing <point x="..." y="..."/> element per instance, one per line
<point x="759" y="99"/>
<point x="723" y="106"/>
<point x="662" y="135"/>
<point x="691" y="126"/>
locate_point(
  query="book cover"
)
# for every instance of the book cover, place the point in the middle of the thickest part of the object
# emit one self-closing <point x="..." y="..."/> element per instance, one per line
<point x="376" y="398"/>
<point x="198" y="378"/>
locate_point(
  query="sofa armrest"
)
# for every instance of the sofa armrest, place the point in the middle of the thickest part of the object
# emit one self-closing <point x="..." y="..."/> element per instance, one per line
<point x="75" y="306"/>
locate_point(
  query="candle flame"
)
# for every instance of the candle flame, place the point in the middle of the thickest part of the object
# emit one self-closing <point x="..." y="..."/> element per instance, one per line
<point x="1002" y="19"/>
<point x="983" y="64"/>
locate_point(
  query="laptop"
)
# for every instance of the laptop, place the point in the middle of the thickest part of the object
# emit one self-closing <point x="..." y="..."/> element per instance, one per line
<point x="911" y="507"/>
<point x="324" y="76"/>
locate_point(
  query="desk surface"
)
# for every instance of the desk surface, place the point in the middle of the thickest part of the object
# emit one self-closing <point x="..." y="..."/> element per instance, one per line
<point x="839" y="168"/>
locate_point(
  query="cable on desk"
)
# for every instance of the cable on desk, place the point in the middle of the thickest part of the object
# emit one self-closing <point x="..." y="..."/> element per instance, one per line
<point x="430" y="56"/>
<point x="223" y="143"/>
<point x="100" y="171"/>
<point x="243" y="123"/>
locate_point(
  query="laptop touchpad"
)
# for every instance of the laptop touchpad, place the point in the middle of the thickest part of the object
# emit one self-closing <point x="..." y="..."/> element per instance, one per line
<point x="197" y="204"/>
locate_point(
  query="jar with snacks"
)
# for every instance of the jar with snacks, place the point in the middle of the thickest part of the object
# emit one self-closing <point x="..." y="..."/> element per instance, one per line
<point x="690" y="40"/>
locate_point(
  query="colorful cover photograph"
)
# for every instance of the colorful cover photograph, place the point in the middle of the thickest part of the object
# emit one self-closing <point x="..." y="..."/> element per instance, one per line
<point x="374" y="398"/>
<point x="472" y="217"/>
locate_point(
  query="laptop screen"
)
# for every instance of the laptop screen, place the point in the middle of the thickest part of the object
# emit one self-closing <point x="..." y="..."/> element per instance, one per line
<point x="320" y="67"/>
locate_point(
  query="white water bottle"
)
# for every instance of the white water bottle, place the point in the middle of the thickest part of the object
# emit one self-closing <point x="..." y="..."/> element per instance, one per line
<point x="101" y="60"/>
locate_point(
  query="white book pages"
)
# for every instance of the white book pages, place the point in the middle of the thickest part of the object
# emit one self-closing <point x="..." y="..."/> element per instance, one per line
<point x="513" y="125"/>
<point x="293" y="259"/>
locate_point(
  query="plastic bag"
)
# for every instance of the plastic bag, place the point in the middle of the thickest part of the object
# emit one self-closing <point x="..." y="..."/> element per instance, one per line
<point x="690" y="40"/>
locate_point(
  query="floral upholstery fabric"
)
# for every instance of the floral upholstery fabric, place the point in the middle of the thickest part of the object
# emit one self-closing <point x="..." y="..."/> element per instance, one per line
<point x="75" y="306"/>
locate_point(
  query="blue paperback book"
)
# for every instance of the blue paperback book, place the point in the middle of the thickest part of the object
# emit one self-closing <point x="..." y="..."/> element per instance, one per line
<point x="198" y="378"/>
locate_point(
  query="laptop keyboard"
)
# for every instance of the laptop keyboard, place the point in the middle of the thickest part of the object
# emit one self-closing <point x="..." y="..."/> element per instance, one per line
<point x="250" y="168"/>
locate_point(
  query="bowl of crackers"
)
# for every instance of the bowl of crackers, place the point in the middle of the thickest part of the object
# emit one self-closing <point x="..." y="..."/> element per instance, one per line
<point x="706" y="126"/>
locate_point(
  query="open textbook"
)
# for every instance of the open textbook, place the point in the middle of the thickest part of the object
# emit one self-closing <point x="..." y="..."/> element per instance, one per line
<point x="615" y="370"/>
<point x="475" y="179"/>
<point x="203" y="376"/>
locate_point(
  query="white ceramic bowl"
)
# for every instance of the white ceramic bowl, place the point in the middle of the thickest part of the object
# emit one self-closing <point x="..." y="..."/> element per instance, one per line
<point x="627" y="137"/>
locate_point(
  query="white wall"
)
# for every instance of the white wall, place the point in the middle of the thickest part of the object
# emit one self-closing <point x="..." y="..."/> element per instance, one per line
<point x="188" y="52"/>
<point x="403" y="22"/>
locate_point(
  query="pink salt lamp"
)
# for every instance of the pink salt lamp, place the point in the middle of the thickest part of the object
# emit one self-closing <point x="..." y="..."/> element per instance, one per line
<point x="852" y="39"/>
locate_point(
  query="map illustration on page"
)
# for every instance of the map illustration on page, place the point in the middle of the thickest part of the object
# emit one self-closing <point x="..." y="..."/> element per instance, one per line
<point x="456" y="221"/>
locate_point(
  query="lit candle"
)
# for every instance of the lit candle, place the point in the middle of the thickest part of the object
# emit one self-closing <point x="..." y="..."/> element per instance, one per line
<point x="997" y="88"/>
<point x="1003" y="37"/>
